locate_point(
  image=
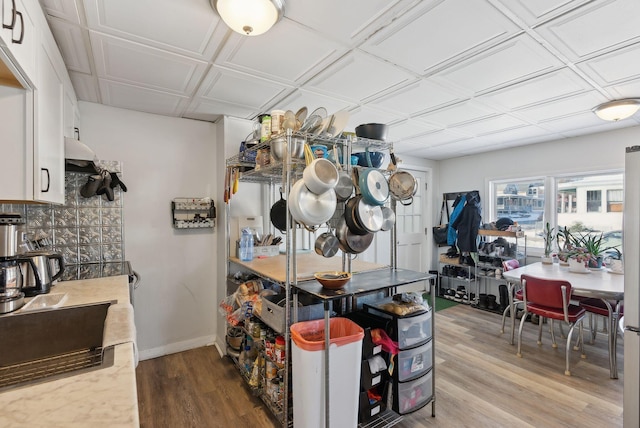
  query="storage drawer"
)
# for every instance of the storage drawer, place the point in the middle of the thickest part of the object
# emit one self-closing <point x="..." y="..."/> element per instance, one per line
<point x="373" y="373"/>
<point x="368" y="322"/>
<point x="409" y="331"/>
<point x="368" y="408"/>
<point x="411" y="396"/>
<point x="413" y="363"/>
<point x="273" y="310"/>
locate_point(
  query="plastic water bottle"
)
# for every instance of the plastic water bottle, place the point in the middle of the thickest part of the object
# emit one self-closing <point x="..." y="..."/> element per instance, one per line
<point x="246" y="245"/>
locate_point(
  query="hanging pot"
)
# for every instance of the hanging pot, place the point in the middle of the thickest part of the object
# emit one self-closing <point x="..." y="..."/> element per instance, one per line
<point x="320" y="176"/>
<point x="373" y="186"/>
<point x="344" y="187"/>
<point x="308" y="208"/>
<point x="402" y="185"/>
<point x="349" y="242"/>
<point x="279" y="214"/>
<point x="388" y="219"/>
<point x="327" y="244"/>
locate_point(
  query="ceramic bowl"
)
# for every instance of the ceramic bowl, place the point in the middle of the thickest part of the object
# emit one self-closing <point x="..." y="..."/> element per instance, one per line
<point x="333" y="280"/>
<point x="372" y="131"/>
<point x="376" y="159"/>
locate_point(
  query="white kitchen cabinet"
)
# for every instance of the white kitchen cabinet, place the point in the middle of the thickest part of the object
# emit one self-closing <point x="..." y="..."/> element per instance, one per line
<point x="71" y="113"/>
<point x="32" y="108"/>
<point x="16" y="173"/>
<point x="18" y="33"/>
<point x="48" y="135"/>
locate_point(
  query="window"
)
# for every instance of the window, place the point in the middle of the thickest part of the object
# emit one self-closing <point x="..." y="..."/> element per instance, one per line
<point x="522" y="202"/>
<point x="587" y="203"/>
<point x="614" y="200"/>
<point x="583" y="193"/>
<point x="594" y="201"/>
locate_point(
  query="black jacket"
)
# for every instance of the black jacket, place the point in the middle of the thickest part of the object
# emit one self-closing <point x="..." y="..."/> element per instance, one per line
<point x="468" y="223"/>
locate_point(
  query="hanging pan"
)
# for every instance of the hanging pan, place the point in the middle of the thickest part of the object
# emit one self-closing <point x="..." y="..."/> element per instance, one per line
<point x="349" y="242"/>
<point x="402" y="185"/>
<point x="373" y="186"/>
<point x="308" y="208"/>
<point x="279" y="214"/>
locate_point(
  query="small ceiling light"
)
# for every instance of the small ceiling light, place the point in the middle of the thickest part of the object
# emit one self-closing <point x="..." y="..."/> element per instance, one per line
<point x="617" y="110"/>
<point x="249" y="17"/>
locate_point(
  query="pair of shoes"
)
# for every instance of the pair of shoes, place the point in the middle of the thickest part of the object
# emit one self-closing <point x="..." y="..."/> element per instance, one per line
<point x="467" y="261"/>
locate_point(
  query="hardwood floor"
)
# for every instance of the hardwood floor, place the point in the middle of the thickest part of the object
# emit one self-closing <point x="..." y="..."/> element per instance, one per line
<point x="480" y="382"/>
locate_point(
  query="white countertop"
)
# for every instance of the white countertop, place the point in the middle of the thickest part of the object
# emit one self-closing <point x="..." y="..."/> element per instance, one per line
<point x="101" y="398"/>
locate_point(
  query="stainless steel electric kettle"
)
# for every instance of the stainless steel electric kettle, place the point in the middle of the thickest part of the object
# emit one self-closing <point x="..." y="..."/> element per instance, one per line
<point x="38" y="271"/>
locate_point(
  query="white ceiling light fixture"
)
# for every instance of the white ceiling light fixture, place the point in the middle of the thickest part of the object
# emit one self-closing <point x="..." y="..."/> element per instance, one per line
<point x="617" y="110"/>
<point x="249" y="17"/>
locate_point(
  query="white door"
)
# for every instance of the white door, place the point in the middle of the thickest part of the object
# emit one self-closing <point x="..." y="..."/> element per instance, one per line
<point x="413" y="251"/>
<point x="410" y="225"/>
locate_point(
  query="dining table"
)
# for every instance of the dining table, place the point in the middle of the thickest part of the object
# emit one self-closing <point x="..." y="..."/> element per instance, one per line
<point x="601" y="283"/>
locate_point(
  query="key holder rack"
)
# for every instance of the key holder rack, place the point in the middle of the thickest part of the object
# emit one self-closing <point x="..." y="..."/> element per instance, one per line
<point x="193" y="213"/>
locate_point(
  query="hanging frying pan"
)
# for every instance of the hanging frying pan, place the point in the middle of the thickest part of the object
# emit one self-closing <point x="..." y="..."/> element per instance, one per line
<point x="362" y="218"/>
<point x="279" y="214"/>
<point x="351" y="243"/>
<point x="373" y="186"/>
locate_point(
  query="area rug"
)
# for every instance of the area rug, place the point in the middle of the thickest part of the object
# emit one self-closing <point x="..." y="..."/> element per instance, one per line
<point x="441" y="302"/>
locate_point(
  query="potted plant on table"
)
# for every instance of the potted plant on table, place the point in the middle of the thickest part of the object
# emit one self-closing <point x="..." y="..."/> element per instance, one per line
<point x="549" y="238"/>
<point x="578" y="258"/>
<point x="593" y="244"/>
<point x="565" y="236"/>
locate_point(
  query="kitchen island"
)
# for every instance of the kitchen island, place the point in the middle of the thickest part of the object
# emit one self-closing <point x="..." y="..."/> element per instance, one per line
<point x="104" y="397"/>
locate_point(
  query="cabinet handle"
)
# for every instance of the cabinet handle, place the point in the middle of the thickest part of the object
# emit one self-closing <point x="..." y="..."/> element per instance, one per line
<point x="13" y="16"/>
<point x="48" y="180"/>
<point x="19" y="41"/>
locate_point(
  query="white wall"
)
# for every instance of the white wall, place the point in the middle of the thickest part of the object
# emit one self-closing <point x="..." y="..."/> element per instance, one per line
<point x="596" y="152"/>
<point x="163" y="158"/>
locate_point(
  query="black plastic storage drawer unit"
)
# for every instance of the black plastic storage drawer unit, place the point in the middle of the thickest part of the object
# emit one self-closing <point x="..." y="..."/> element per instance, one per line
<point x="409" y="330"/>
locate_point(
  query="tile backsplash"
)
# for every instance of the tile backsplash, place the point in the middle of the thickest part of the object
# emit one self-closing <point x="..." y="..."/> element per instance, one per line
<point x="83" y="229"/>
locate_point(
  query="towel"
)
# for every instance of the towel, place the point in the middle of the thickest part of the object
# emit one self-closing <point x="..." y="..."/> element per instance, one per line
<point x="120" y="327"/>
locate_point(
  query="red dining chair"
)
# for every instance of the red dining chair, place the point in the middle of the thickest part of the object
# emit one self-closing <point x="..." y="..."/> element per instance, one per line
<point x="598" y="307"/>
<point x="508" y="265"/>
<point x="550" y="299"/>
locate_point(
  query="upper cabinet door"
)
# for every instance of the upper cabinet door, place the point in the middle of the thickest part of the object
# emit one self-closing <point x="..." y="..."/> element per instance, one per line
<point x="19" y="35"/>
<point x="49" y="125"/>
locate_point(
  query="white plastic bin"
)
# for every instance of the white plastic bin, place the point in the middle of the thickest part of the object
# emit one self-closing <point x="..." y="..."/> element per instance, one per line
<point x="307" y="357"/>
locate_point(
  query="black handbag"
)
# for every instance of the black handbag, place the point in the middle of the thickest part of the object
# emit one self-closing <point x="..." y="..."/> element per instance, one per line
<point x="440" y="232"/>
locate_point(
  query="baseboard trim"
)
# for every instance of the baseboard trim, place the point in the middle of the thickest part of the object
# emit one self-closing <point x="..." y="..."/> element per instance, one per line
<point x="172" y="348"/>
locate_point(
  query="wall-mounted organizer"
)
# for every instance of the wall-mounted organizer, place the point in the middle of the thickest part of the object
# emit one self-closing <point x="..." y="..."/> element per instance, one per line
<point x="193" y="213"/>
